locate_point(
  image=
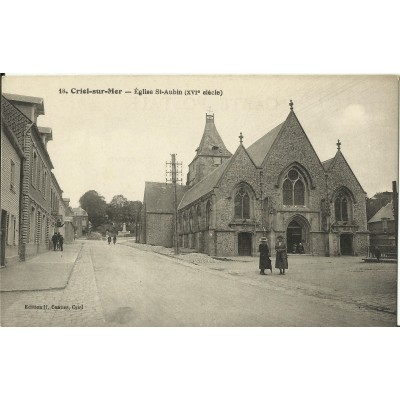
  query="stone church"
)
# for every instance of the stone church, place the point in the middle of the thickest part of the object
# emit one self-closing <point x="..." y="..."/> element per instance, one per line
<point x="276" y="186"/>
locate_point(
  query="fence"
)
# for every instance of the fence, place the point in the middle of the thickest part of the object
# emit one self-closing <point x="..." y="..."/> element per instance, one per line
<point x="387" y="251"/>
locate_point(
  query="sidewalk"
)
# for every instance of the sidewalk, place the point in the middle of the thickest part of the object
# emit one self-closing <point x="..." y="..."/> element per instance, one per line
<point x="49" y="270"/>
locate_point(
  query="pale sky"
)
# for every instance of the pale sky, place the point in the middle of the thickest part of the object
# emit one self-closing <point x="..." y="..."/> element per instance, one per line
<point x="114" y="143"/>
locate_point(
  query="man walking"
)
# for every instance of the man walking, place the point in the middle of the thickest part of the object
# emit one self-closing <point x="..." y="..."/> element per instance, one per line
<point x="54" y="239"/>
<point x="61" y="242"/>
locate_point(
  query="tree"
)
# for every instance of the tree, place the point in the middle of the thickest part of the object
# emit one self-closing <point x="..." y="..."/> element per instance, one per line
<point x="95" y="205"/>
<point x="118" y="201"/>
<point x="121" y="210"/>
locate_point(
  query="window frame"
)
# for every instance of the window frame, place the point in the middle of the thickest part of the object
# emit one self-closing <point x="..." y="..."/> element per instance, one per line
<point x="293" y="183"/>
<point x="12" y="177"/>
<point x="244" y="194"/>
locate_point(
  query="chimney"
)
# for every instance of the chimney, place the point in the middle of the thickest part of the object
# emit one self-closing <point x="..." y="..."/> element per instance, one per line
<point x="66" y="201"/>
<point x="46" y="134"/>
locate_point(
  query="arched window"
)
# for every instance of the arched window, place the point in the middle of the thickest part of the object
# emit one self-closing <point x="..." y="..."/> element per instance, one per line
<point x="198" y="214"/>
<point x="242" y="204"/>
<point x="342" y="207"/>
<point x="190" y="221"/>
<point x="294" y="189"/>
<point x="181" y="226"/>
<point x="184" y="221"/>
<point x="208" y="214"/>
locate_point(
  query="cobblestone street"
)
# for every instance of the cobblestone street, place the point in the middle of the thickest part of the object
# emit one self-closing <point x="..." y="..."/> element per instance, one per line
<point x="123" y="285"/>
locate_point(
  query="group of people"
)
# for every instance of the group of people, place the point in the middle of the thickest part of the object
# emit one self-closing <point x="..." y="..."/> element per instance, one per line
<point x="58" y="241"/>
<point x="114" y="238"/>
<point x="281" y="261"/>
<point x="298" y="248"/>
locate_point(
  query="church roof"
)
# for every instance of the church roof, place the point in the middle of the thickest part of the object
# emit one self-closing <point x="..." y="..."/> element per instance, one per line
<point x="159" y="197"/>
<point x="386" y="212"/>
<point x="326" y="164"/>
<point x="204" y="186"/>
<point x="259" y="149"/>
<point x="211" y="143"/>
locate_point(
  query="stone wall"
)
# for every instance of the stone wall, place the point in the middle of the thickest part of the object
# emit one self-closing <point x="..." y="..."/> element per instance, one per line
<point x="159" y="229"/>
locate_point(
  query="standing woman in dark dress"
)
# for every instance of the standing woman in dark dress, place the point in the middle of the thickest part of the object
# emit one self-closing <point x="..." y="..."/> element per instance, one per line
<point x="265" y="262"/>
<point x="281" y="255"/>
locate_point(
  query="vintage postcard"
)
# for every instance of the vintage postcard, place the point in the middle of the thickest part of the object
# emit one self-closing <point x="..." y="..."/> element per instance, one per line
<point x="232" y="201"/>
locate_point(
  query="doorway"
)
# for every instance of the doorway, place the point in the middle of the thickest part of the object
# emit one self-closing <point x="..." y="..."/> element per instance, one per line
<point x="346" y="244"/>
<point x="244" y="244"/>
<point x="294" y="236"/>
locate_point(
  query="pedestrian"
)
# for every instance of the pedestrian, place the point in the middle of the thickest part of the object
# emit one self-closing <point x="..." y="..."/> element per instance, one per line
<point x="300" y="248"/>
<point x="61" y="241"/>
<point x="281" y="255"/>
<point x="58" y="240"/>
<point x="54" y="239"/>
<point x="109" y="239"/>
<point x="114" y="238"/>
<point x="377" y="253"/>
<point x="265" y="261"/>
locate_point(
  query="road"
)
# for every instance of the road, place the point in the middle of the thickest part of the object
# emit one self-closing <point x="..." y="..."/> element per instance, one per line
<point x="117" y="285"/>
<point x="139" y="288"/>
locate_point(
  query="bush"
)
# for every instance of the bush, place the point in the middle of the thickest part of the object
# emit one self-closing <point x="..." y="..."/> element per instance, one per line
<point x="94" y="236"/>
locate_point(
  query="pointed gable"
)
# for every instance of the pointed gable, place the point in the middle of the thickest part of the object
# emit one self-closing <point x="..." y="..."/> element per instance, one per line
<point x="215" y="178"/>
<point x="211" y="143"/>
<point x="341" y="170"/>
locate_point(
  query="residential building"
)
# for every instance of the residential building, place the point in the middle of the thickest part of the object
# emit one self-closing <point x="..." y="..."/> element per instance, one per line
<point x="11" y="159"/>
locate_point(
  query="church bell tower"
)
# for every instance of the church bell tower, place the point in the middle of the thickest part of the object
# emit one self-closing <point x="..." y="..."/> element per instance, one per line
<point x="210" y="154"/>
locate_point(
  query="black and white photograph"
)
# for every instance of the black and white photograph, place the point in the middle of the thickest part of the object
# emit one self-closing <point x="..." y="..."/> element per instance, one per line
<point x="199" y="201"/>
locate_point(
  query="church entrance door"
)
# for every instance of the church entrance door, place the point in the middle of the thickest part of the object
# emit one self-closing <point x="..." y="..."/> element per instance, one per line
<point x="293" y="236"/>
<point x="244" y="244"/>
<point x="346" y="244"/>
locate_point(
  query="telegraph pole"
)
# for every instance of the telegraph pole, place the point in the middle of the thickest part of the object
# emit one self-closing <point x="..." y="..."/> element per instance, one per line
<point x="174" y="180"/>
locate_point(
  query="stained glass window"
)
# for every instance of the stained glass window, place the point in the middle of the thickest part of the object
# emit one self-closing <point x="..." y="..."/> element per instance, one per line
<point x="242" y="204"/>
<point x="342" y="208"/>
<point x="293" y="189"/>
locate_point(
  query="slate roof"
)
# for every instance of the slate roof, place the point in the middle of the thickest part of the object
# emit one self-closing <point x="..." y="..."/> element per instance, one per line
<point x="259" y="149"/>
<point x="17" y="121"/>
<point x="383" y="213"/>
<point x="204" y="186"/>
<point x="211" y="139"/>
<point x="27" y="99"/>
<point x="159" y="197"/>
